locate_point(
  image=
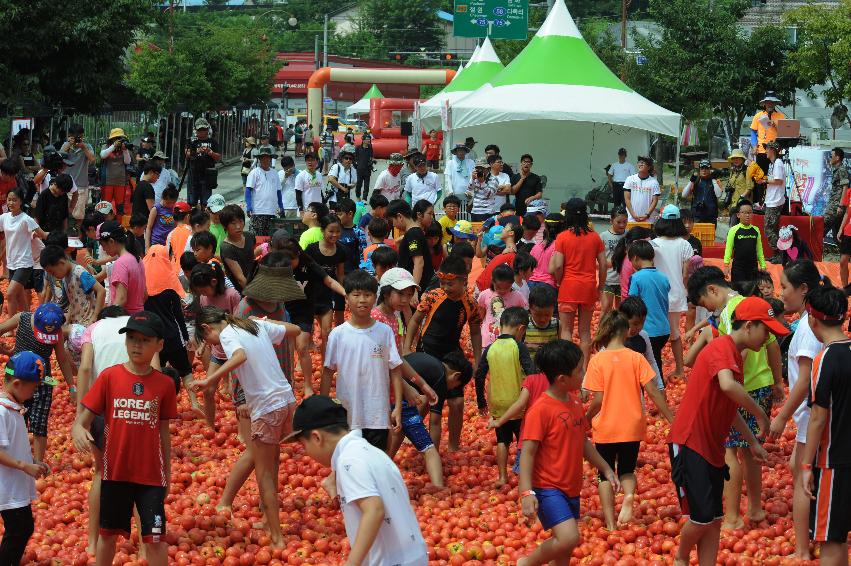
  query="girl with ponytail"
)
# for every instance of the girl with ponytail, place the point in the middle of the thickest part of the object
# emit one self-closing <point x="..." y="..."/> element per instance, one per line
<point x="617" y="378"/>
<point x="127" y="277"/>
<point x="248" y="345"/>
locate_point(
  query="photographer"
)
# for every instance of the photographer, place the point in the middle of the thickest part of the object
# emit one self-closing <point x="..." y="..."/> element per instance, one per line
<point x="116" y="157"/>
<point x="707" y="191"/>
<point x="81" y="154"/>
<point x="482" y="192"/>
<point x="146" y="150"/>
<point x="342" y="176"/>
<point x="54" y="163"/>
<point x="203" y="153"/>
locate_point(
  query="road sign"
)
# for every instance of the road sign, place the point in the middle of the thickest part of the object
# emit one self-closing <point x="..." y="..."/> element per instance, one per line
<point x="640" y="59"/>
<point x="498" y="19"/>
<point x="327" y="101"/>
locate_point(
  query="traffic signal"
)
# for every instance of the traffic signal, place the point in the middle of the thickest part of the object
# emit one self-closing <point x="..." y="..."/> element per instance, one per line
<point x="449" y="56"/>
<point x="398" y="57"/>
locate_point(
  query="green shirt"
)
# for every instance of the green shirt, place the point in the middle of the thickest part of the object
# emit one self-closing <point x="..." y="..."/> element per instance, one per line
<point x="218" y="231"/>
<point x="310" y="236"/>
<point x="757" y="372"/>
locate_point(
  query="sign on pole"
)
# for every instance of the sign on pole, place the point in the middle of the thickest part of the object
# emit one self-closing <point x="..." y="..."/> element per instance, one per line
<point x="19" y="124"/>
<point x="497" y="19"/>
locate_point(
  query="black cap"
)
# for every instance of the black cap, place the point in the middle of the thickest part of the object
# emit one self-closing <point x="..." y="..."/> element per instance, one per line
<point x="419" y="159"/>
<point x="317" y="411"/>
<point x="109" y="229"/>
<point x="148" y="323"/>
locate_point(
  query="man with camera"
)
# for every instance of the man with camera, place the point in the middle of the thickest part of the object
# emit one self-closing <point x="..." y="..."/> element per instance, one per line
<point x="81" y="154"/>
<point x="707" y="191"/>
<point x="203" y="154"/>
<point x="116" y="157"/>
<point x="343" y="176"/>
<point x="146" y="150"/>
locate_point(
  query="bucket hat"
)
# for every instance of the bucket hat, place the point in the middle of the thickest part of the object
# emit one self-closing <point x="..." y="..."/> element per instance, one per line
<point x="274" y="285"/>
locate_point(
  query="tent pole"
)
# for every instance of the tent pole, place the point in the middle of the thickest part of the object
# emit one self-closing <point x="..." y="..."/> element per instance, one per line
<point x="677" y="165"/>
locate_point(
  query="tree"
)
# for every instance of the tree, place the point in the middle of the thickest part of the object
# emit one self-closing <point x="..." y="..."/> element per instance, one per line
<point x="824" y="49"/>
<point x="68" y="54"/>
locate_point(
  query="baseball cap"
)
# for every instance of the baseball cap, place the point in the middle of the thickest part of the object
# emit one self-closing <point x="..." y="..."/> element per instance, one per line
<point x="396" y="159"/>
<point x="104" y="207"/>
<point x="757" y="309"/>
<point x="182" y="207"/>
<point x="398" y="279"/>
<point x="705" y="164"/>
<point x="785" y="237"/>
<point x="575" y="204"/>
<point x="419" y="160"/>
<point x="75" y="243"/>
<point x="463" y="229"/>
<point x="48" y="314"/>
<point x="146" y="322"/>
<point x="26" y="366"/>
<point x="670" y="212"/>
<point x="216" y="203"/>
<point x="317" y="411"/>
<point x="108" y="229"/>
<point x="493" y="237"/>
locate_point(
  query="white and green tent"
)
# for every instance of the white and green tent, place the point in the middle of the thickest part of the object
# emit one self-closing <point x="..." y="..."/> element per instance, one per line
<point x="362" y="105"/>
<point x="482" y="66"/>
<point x="559" y="102"/>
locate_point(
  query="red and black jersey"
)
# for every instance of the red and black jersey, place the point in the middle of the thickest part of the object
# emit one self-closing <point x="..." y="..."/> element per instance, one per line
<point x="830" y="388"/>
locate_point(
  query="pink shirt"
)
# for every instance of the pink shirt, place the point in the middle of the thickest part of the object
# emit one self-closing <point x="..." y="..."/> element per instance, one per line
<point x="626" y="272"/>
<point x="130" y="273"/>
<point x="541" y="273"/>
<point x="493" y="305"/>
<point x="228" y="302"/>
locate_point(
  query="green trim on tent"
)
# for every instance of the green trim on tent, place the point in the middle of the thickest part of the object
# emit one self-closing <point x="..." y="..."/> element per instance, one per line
<point x="474" y="76"/>
<point x="373" y="92"/>
<point x="558" y="59"/>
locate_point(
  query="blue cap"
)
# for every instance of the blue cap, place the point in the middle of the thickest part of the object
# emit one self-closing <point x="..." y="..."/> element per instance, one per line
<point x="48" y="314"/>
<point x="493" y="237"/>
<point x="26" y="366"/>
<point x="670" y="212"/>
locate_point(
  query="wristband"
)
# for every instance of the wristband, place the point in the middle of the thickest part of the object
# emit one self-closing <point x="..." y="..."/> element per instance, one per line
<point x="527" y="493"/>
<point x="806" y="466"/>
<point x="72" y="389"/>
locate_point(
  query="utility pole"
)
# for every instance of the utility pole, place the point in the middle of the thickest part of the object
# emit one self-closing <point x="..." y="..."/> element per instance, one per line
<point x="171" y="27"/>
<point x="325" y="54"/>
<point x="624" y="5"/>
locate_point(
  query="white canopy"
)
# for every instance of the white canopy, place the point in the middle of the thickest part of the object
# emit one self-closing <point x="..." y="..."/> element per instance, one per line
<point x="362" y="105"/>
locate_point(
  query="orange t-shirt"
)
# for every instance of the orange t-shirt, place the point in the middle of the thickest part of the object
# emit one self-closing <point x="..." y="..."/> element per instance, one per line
<point x="560" y="428"/>
<point x="579" y="282"/>
<point x="179" y="236"/>
<point x="620" y="375"/>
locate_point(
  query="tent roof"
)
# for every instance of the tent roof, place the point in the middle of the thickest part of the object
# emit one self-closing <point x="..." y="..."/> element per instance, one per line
<point x="373" y="92"/>
<point x="566" y="80"/>
<point x="362" y="105"/>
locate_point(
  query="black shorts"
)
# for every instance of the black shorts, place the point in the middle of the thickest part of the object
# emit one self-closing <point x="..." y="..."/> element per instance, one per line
<point x="22" y="276"/>
<point x="700" y="485"/>
<point x="301" y="315"/>
<point x="620" y="456"/>
<point x="97" y="430"/>
<point x="378" y="437"/>
<point x="320" y="309"/>
<point x="456" y="393"/>
<point x="338" y="303"/>
<point x="36" y="280"/>
<point x="174" y="354"/>
<point x="830" y="520"/>
<point x="508" y="430"/>
<point x="117" y="499"/>
<point x="845" y="245"/>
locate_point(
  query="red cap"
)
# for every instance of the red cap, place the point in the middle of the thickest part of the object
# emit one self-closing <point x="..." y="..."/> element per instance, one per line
<point x="182" y="207"/>
<point x="754" y="308"/>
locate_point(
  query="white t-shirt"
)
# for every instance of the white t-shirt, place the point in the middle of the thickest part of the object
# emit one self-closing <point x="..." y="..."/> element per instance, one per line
<point x="288" y="189"/>
<point x="266" y="185"/>
<point x="497" y="181"/>
<point x="775" y="195"/>
<point x="804" y="344"/>
<point x="19" y="234"/>
<point x="109" y="347"/>
<point x="620" y="171"/>
<point x="670" y="256"/>
<point x="18" y="487"/>
<point x="422" y="189"/>
<point x="389" y="185"/>
<point x="310" y="187"/>
<point x="362" y="471"/>
<point x="641" y="192"/>
<point x="363" y="358"/>
<point x="266" y="388"/>
<point x="458" y="174"/>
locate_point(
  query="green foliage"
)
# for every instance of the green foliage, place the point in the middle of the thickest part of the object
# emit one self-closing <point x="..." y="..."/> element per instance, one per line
<point x="508" y="49"/>
<point x="67" y="54"/>
<point x="824" y="49"/>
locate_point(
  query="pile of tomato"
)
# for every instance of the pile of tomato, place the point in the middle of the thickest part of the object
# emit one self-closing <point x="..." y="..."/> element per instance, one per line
<point x="468" y="522"/>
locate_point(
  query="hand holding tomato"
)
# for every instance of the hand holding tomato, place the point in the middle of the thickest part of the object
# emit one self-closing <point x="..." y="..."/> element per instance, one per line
<point x="529" y="506"/>
<point x="36" y="470"/>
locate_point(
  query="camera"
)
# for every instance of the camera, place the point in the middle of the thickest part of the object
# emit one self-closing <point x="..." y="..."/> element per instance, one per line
<point x="78" y="139"/>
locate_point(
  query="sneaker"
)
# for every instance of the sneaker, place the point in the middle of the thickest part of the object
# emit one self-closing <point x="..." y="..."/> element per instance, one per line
<point x="829" y="240"/>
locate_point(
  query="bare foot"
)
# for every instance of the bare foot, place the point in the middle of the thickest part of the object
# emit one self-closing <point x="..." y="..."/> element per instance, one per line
<point x="625" y="515"/>
<point x="680" y="562"/>
<point x="678" y="374"/>
<point x="757" y="517"/>
<point x="500" y="482"/>
<point x="224" y="509"/>
<point x="738" y="524"/>
<point x="522" y="561"/>
<point x="91" y="549"/>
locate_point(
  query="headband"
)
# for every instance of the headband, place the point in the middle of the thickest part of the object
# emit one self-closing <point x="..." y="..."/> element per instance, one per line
<point x="818" y="315"/>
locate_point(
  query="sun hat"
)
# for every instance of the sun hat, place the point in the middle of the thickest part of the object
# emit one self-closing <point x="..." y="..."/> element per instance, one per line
<point x="216" y="203"/>
<point x="104" y="207"/>
<point x="482" y="163"/>
<point x="785" y="237"/>
<point x="160" y="155"/>
<point x="48" y="314"/>
<point x="736" y="153"/>
<point x="463" y="229"/>
<point x="251" y="140"/>
<point x="26" y="366"/>
<point x="460" y="147"/>
<point x="398" y="278"/>
<point x="469" y="140"/>
<point x="575" y="204"/>
<point x="348" y="148"/>
<point x="705" y="164"/>
<point x="670" y="212"/>
<point x="493" y="237"/>
<point x="274" y="285"/>
<point x="769" y="96"/>
<point x="182" y="206"/>
<point x="396" y="159"/>
<point x="202" y="124"/>
<point x="317" y="411"/>
<point x="758" y="309"/>
<point x="160" y="275"/>
<point x="116" y="133"/>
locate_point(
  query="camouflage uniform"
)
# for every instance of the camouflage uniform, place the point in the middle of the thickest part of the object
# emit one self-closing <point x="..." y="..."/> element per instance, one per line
<point x="838" y="186"/>
<point x="772" y="224"/>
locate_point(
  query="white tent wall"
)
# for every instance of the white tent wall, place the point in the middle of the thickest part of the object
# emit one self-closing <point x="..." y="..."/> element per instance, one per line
<point x="571" y="154"/>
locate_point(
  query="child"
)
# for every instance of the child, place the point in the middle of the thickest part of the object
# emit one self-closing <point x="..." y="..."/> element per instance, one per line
<point x="432" y="150"/>
<point x="364" y="355"/>
<point x="423" y="213"/>
<point x="215" y="204"/>
<point x="543" y="251"/>
<point x="248" y="346"/>
<point x="105" y="208"/>
<point x="826" y="480"/>
<point x="543" y="326"/>
<point x="414" y="254"/>
<point x="366" y="481"/>
<point x="708" y="408"/>
<point x="19" y="230"/>
<point x="654" y="289"/>
<point x="127" y="278"/>
<point x="90" y="255"/>
<point x="791" y="246"/>
<point x="377" y="209"/>
<point x="672" y="255"/>
<point x="377" y="232"/>
<point x="620" y="257"/>
<point x="617" y="377"/>
<point x="461" y="232"/>
<point x="384" y="258"/>
<point x="397" y="289"/>
<point x="84" y="296"/>
<point x="136" y="402"/>
<point x="507" y="362"/>
<point x="434" y="238"/>
<point x="611" y="296"/>
<point x="554" y="444"/>
<point x="451" y="208"/>
<point x="139" y="228"/>
<point x="494" y="301"/>
<point x="531" y="226"/>
<point x="237" y="250"/>
<point x="51" y="210"/>
<point x="314" y="212"/>
<point x="331" y="258"/>
<point x="352" y="242"/>
<point x="436" y="329"/>
<point x="687" y="216"/>
<point x="177" y="240"/>
<point x="161" y="219"/>
<point x="637" y="339"/>
<point x="523" y="266"/>
<point x="744" y="247"/>
<point x="18" y="471"/>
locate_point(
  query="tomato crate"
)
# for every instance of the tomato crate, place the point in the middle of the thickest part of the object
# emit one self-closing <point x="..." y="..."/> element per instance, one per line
<point x="634" y="224"/>
<point x="705" y="232"/>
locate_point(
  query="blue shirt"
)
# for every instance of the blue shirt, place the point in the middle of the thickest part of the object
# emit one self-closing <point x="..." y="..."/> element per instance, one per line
<point x="653" y="288"/>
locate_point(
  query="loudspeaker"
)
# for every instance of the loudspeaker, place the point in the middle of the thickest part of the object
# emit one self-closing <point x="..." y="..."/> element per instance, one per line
<point x="332" y="123"/>
<point x="407" y="128"/>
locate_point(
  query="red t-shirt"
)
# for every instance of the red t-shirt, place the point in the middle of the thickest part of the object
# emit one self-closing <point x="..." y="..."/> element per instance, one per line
<point x="132" y="407"/>
<point x="484" y="280"/>
<point x="579" y="282"/>
<point x="432" y="150"/>
<point x="536" y="384"/>
<point x="706" y="414"/>
<point x="6" y="186"/>
<point x="560" y="428"/>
